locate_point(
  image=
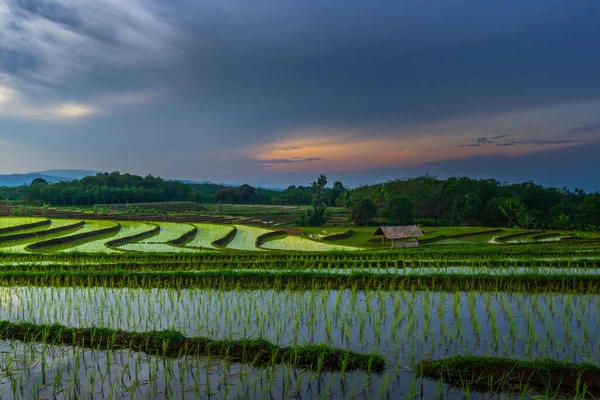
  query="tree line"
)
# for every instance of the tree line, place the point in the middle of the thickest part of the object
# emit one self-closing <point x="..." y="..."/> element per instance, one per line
<point x="425" y="200"/>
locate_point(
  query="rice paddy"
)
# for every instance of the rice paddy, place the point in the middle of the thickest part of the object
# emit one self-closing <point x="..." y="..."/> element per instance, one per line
<point x="11" y="222"/>
<point x="245" y="238"/>
<point x="297" y="243"/>
<point x="141" y="313"/>
<point x="207" y="234"/>
<point x="101" y="246"/>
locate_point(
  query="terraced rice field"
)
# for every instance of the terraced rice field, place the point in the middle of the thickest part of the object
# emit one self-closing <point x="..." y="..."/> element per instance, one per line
<point x="157" y="248"/>
<point x="100" y="246"/>
<point x="71" y="240"/>
<point x="296" y="243"/>
<point x="189" y="323"/>
<point x="170" y="231"/>
<point x="10" y="222"/>
<point x="55" y="223"/>
<point x="245" y="238"/>
<point x="207" y="234"/>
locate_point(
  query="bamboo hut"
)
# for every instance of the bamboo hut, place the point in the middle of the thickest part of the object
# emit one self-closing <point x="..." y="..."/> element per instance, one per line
<point x="399" y="236"/>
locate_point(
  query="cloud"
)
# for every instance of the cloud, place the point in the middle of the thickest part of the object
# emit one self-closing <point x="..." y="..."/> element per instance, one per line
<point x="74" y="110"/>
<point x="293" y="160"/>
<point x="195" y="80"/>
<point x="103" y="54"/>
<point x="591" y="128"/>
<point x="508" y="141"/>
<point x="540" y="142"/>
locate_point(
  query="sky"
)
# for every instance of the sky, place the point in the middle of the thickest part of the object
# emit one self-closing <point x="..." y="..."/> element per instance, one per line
<point x="277" y="92"/>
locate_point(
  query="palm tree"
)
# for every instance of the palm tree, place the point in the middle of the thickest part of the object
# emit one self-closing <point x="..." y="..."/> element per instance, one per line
<point x="511" y="208"/>
<point x="378" y="196"/>
<point x="322" y="181"/>
<point x="345" y="200"/>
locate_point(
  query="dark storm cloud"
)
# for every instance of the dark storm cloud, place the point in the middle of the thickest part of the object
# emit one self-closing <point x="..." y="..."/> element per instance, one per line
<point x="68" y="17"/>
<point x="306" y="63"/>
<point x="232" y="75"/>
<point x="267" y="66"/>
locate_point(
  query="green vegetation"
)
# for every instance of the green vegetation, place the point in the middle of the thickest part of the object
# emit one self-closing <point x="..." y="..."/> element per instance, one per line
<point x="245" y="238"/>
<point x="100" y="246"/>
<point x="492" y="374"/>
<point x="296" y="243"/>
<point x="424" y="200"/>
<point x="147" y="309"/>
<point x="171" y="343"/>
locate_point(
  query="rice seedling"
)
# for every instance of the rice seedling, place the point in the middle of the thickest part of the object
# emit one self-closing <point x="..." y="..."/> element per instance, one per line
<point x="207" y="234"/>
<point x="245" y="238"/>
<point x="122" y="315"/>
<point x="100" y="246"/>
<point x="297" y="243"/>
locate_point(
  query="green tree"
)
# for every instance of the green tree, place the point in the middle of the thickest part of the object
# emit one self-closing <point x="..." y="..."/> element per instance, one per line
<point x="363" y="212"/>
<point x="588" y="212"/>
<point x="322" y="181"/>
<point x="467" y="210"/>
<point x="378" y="194"/>
<point x="511" y="208"/>
<point x="401" y="210"/>
<point x="562" y="221"/>
<point x="526" y="220"/>
<point x="245" y="194"/>
<point x="315" y="216"/>
<point x="39" y="181"/>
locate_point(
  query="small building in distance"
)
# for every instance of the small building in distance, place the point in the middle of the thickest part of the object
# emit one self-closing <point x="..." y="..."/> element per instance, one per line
<point x="400" y="236"/>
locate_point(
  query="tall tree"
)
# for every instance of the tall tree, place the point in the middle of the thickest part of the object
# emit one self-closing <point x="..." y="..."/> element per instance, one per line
<point x="363" y="212"/>
<point x="511" y="208"/>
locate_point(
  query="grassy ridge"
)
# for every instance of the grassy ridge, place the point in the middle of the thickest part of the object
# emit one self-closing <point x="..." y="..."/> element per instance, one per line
<point x="299" y="280"/>
<point x="468" y="254"/>
<point x="75" y="238"/>
<point x="497" y="374"/>
<point x="171" y="343"/>
<point x="21" y="227"/>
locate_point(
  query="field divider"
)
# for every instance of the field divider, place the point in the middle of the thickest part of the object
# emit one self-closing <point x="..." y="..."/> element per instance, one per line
<point x="302" y="280"/>
<point x="459" y="236"/>
<point x="114" y="244"/>
<point x="22" y="227"/>
<point x="224" y="241"/>
<point x="363" y="265"/>
<point x="171" y="343"/>
<point x="497" y="374"/>
<point x="46" y="232"/>
<point x="265" y="237"/>
<point x="517" y="235"/>
<point x="338" y="236"/>
<point x="185" y="238"/>
<point x="72" y="239"/>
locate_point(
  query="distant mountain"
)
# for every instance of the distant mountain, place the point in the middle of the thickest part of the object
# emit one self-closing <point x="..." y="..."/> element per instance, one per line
<point x="52" y="176"/>
<point x="234" y="185"/>
<point x="58" y="175"/>
<point x="25" y="179"/>
<point x="68" y="173"/>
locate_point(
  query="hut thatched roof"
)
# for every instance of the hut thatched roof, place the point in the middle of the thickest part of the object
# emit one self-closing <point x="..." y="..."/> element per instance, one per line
<point x="399" y="232"/>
